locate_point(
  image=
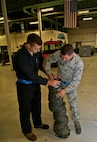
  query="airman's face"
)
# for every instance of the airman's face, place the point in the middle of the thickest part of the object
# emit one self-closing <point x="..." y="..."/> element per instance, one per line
<point x="34" y="48"/>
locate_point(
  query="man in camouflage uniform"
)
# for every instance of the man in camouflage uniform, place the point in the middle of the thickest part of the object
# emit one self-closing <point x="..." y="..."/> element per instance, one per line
<point x="70" y="69"/>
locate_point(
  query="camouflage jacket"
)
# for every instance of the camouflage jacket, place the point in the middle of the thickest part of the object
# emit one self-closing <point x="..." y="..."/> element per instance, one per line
<point x="67" y="70"/>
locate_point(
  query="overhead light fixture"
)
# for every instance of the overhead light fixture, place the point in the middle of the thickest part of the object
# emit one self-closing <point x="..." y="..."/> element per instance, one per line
<point x="1" y="18"/>
<point x="1" y="22"/>
<point x="88" y="18"/>
<point x="83" y="12"/>
<point x="47" y="9"/>
<point x="36" y="22"/>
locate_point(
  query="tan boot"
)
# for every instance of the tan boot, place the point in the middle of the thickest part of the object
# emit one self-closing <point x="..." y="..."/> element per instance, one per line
<point x="77" y="127"/>
<point x="30" y="136"/>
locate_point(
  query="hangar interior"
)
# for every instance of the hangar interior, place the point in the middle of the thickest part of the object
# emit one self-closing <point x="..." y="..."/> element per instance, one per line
<point x="20" y="13"/>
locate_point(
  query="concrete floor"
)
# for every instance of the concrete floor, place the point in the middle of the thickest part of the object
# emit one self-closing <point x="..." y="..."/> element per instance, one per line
<point x="10" y="130"/>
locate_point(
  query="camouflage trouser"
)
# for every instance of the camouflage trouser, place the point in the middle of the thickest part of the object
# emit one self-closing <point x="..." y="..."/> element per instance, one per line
<point x="57" y="106"/>
<point x="73" y="102"/>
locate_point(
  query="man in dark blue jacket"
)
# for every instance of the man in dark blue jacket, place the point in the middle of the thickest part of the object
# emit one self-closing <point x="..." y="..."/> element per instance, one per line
<point x="27" y="61"/>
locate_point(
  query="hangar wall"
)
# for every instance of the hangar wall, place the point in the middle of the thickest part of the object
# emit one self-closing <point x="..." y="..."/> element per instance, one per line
<point x="86" y="33"/>
<point x="17" y="39"/>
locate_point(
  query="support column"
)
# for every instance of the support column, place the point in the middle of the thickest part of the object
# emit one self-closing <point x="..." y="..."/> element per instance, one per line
<point x="6" y="27"/>
<point x="39" y="22"/>
<point x="22" y="28"/>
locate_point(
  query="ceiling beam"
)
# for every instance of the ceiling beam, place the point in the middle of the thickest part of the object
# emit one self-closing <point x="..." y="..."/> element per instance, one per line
<point x="43" y="5"/>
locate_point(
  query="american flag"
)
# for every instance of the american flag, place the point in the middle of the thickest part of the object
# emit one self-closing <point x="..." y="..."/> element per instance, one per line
<point x="70" y="13"/>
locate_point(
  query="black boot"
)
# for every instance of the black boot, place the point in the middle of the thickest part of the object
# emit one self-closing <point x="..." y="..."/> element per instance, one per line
<point x="77" y="127"/>
<point x="42" y="126"/>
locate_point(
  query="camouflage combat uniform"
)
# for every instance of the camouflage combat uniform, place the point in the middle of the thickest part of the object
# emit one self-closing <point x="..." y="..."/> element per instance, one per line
<point x="68" y="71"/>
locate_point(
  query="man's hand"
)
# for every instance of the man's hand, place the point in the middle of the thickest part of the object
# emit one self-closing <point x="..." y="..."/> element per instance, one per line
<point x="51" y="77"/>
<point x="61" y="93"/>
<point x="53" y="83"/>
<point x="55" y="77"/>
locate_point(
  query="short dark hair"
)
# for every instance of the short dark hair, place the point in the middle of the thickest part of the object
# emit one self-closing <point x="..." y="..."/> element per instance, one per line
<point x="34" y="38"/>
<point x="67" y="49"/>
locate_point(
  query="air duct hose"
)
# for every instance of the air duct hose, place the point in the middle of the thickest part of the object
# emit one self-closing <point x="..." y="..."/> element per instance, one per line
<point x="57" y="106"/>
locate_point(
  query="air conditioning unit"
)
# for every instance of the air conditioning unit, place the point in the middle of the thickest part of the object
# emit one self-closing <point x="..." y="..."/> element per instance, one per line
<point x="85" y="51"/>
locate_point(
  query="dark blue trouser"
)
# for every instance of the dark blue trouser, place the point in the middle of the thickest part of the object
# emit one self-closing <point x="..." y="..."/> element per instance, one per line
<point x="29" y="99"/>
